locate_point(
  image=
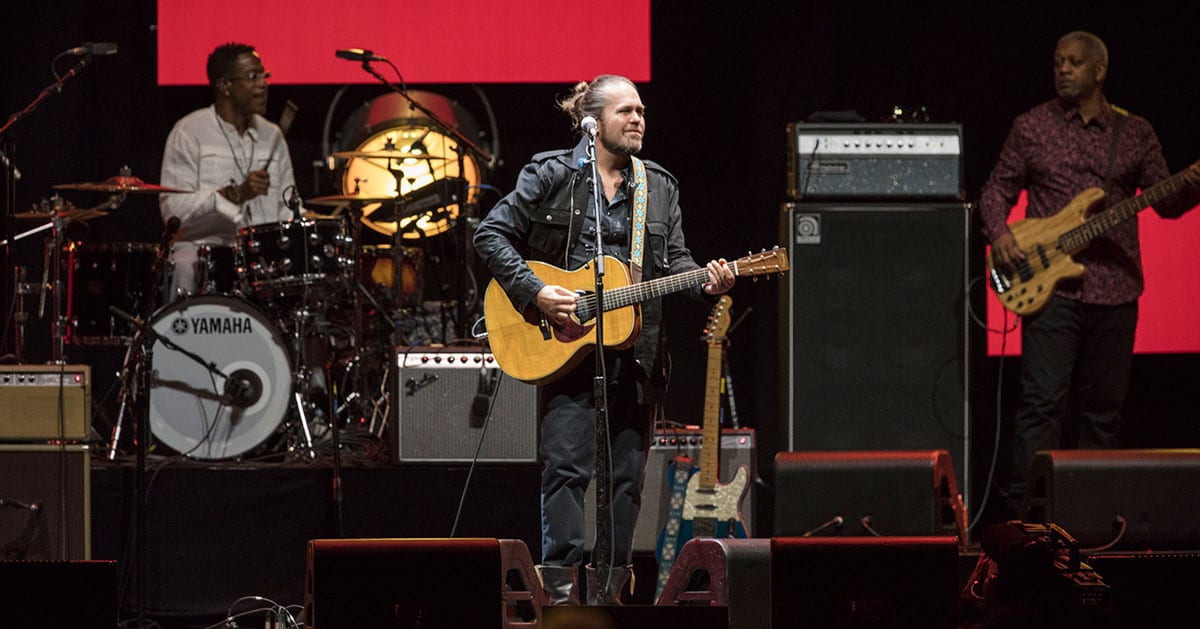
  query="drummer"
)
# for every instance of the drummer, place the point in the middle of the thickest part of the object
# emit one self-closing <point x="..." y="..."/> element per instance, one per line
<point x="233" y="162"/>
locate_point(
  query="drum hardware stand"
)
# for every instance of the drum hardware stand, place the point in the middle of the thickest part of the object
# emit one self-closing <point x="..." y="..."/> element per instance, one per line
<point x="300" y="377"/>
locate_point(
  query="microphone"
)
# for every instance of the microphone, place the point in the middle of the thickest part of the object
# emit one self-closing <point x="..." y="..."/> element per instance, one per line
<point x="588" y="124"/>
<point x="170" y="228"/>
<point x="358" y="54"/>
<point x="243" y="388"/>
<point x="88" y="48"/>
<point x="34" y="506"/>
<point x="483" y="397"/>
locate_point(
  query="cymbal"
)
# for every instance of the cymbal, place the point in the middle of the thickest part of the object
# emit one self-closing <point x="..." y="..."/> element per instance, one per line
<point x="385" y="154"/>
<point x="70" y="215"/>
<point x="337" y="200"/>
<point x="118" y="184"/>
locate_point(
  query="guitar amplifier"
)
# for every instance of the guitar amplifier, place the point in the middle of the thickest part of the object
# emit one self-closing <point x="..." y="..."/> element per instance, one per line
<point x="454" y="402"/>
<point x="29" y="402"/>
<point x="737" y="449"/>
<point x="886" y="161"/>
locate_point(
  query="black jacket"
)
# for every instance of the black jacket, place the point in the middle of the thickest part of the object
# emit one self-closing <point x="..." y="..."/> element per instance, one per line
<point x="543" y="216"/>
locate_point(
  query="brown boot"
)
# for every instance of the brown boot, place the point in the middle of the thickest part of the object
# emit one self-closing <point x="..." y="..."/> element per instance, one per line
<point x="559" y="584"/>
<point x="598" y="594"/>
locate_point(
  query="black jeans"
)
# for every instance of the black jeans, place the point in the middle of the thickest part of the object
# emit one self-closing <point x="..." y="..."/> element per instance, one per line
<point x="1075" y="363"/>
<point x="568" y="459"/>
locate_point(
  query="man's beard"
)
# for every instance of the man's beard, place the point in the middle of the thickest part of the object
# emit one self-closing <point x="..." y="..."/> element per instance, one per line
<point x="625" y="148"/>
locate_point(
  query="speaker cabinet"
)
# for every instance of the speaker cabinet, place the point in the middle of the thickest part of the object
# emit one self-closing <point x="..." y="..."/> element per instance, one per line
<point x="891" y="492"/>
<point x="875" y="321"/>
<point x="1150" y="588"/>
<point x="1132" y="499"/>
<point x="820" y="581"/>
<point x="59" y="593"/>
<point x="444" y="398"/>
<point x="29" y="402"/>
<point x="737" y="449"/>
<point x="633" y="617"/>
<point x="36" y="481"/>
<point x="464" y="582"/>
<point x="863" y="581"/>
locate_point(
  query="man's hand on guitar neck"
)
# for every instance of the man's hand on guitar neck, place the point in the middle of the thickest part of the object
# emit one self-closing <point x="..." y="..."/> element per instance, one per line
<point x="556" y="302"/>
<point x="720" y="278"/>
<point x="1006" y="253"/>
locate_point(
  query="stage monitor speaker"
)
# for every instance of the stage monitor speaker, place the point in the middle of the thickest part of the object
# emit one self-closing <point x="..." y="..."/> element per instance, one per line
<point x="1118" y="499"/>
<point x="875" y="326"/>
<point x="464" y="582"/>
<point x="863" y="581"/>
<point x="882" y="492"/>
<point x="36" y="483"/>
<point x="737" y="449"/>
<point x="444" y="396"/>
<point x="734" y="573"/>
<point x="59" y="594"/>
<point x="1150" y="588"/>
<point x="633" y="617"/>
<point x="29" y="402"/>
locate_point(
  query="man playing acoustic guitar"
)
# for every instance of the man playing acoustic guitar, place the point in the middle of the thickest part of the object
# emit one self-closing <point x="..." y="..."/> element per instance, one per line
<point x="549" y="218"/>
<point x="1077" y="335"/>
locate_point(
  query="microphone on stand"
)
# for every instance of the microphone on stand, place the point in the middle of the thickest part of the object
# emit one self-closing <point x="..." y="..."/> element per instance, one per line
<point x="588" y="124"/>
<point x="358" y="54"/>
<point x="92" y="49"/>
<point x="169" y="230"/>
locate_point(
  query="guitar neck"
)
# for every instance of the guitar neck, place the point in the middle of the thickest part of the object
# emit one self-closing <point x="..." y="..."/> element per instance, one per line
<point x="710" y="446"/>
<point x="1078" y="238"/>
<point x="643" y="291"/>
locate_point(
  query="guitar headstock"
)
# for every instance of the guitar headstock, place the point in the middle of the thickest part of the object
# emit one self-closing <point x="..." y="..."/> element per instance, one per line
<point x="718" y="320"/>
<point x="765" y="262"/>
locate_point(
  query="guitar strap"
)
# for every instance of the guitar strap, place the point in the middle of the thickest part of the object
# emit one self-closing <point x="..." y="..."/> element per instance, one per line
<point x="1118" y="122"/>
<point x="637" y="235"/>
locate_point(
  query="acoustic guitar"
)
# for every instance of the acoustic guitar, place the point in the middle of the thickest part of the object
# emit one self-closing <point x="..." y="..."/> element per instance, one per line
<point x="531" y="348"/>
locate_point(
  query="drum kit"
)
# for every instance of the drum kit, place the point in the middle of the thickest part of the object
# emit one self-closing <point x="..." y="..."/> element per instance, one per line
<point x="289" y="334"/>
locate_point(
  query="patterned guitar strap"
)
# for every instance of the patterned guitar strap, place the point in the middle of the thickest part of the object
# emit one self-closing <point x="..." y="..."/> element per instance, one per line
<point x="637" y="234"/>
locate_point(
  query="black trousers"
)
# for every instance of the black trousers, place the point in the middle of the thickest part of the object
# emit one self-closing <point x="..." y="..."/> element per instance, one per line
<point x="1075" y="364"/>
<point x="568" y="452"/>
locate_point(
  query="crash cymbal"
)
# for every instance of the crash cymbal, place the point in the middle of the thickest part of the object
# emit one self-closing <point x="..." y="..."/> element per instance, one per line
<point x="385" y="154"/>
<point x="69" y="216"/>
<point x="338" y="200"/>
<point x="119" y="184"/>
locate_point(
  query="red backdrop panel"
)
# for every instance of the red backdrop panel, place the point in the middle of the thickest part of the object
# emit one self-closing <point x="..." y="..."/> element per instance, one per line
<point x="453" y="41"/>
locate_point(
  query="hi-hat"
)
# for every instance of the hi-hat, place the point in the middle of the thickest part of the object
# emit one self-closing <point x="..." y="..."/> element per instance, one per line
<point x="119" y="184"/>
<point x="385" y="154"/>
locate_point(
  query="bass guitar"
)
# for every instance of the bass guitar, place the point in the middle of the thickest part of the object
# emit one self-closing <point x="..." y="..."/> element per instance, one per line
<point x="531" y="348"/>
<point x="1048" y="243"/>
<point x="709" y="507"/>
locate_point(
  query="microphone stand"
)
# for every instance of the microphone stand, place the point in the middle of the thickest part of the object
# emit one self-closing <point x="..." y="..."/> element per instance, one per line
<point x="603" y="548"/>
<point x="13" y="175"/>
<point x="136" y="359"/>
<point x="463" y="141"/>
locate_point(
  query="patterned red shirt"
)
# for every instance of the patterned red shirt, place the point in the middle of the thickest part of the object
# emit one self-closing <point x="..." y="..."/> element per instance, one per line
<point x="1051" y="152"/>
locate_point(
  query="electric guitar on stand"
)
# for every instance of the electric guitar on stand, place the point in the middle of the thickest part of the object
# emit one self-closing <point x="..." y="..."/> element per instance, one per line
<point x="705" y="507"/>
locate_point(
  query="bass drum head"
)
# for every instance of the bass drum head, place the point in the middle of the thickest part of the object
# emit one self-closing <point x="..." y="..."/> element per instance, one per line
<point x="191" y="408"/>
